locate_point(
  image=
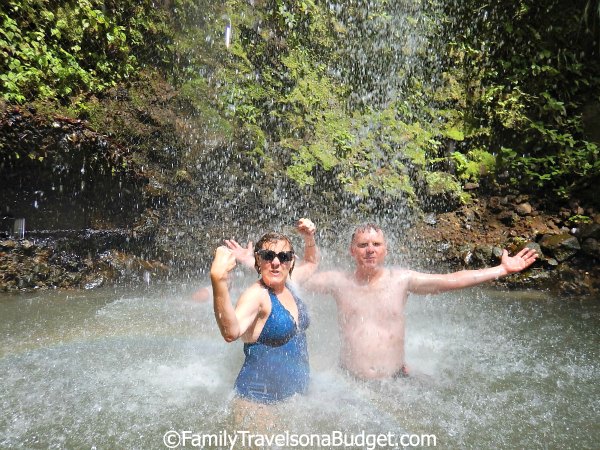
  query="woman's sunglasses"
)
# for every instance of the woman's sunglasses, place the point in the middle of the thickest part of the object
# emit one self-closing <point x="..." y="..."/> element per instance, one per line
<point x="269" y="255"/>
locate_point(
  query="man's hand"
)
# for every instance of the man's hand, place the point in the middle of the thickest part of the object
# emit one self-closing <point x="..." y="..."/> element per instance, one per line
<point x="222" y="264"/>
<point x="243" y="255"/>
<point x="520" y="261"/>
<point x="306" y="227"/>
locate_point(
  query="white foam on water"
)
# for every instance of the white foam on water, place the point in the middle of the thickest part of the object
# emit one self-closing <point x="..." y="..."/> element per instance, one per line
<point x="488" y="372"/>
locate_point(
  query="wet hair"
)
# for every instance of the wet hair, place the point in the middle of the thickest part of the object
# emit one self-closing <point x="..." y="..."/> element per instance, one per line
<point x="271" y="237"/>
<point x="363" y="228"/>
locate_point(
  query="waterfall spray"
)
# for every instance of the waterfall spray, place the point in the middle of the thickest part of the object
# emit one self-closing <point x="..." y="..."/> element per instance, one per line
<point x="228" y="33"/>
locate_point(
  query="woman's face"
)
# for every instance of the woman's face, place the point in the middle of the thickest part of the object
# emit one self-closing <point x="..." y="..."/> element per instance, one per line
<point x="275" y="261"/>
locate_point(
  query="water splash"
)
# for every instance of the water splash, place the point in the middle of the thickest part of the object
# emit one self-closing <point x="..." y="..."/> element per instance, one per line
<point x="228" y="34"/>
<point x="19" y="228"/>
<point x="117" y="369"/>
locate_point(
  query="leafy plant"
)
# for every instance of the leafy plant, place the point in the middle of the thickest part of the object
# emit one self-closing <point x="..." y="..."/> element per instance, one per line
<point x="528" y="70"/>
<point x="60" y="50"/>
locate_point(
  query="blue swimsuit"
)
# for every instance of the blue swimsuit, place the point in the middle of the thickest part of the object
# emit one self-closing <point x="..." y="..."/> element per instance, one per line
<point x="276" y="365"/>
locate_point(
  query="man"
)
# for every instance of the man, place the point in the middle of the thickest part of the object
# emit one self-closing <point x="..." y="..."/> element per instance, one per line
<point x="371" y="301"/>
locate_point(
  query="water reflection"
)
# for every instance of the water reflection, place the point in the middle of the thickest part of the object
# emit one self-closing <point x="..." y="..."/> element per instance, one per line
<point x="117" y="369"/>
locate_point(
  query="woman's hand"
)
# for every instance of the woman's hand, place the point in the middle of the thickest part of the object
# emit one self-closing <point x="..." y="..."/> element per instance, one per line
<point x="222" y="264"/>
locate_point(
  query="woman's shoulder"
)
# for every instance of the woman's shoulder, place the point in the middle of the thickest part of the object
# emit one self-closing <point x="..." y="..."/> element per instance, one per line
<point x="256" y="291"/>
<point x="256" y="298"/>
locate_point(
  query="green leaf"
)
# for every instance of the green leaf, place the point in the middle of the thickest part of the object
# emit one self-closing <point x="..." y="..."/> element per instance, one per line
<point x="455" y="134"/>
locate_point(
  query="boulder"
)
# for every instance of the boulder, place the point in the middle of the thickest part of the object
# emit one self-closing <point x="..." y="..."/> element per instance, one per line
<point x="589" y="230"/>
<point x="524" y="209"/>
<point x="561" y="246"/>
<point x="591" y="247"/>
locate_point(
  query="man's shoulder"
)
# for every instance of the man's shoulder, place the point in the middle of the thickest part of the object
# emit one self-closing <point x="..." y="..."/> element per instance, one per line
<point x="398" y="271"/>
<point x="402" y="275"/>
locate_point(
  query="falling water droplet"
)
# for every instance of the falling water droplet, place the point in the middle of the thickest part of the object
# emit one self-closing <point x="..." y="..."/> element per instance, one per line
<point x="228" y="34"/>
<point x="19" y="228"/>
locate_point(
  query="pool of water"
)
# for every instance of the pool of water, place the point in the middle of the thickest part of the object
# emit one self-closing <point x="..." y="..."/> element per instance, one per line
<point x="109" y="369"/>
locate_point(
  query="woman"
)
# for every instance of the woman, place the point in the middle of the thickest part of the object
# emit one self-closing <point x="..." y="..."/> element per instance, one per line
<point x="269" y="318"/>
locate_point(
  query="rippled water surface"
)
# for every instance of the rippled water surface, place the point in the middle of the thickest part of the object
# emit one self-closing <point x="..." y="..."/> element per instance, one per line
<point x="113" y="369"/>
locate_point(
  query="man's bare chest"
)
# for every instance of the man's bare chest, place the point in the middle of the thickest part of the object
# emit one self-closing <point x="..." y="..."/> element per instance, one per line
<point x="371" y="303"/>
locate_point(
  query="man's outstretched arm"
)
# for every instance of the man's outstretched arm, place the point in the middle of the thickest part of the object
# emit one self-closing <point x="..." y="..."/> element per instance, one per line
<point x="422" y="283"/>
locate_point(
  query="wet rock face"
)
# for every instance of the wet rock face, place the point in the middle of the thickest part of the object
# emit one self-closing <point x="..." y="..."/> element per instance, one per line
<point x="93" y="217"/>
<point x="589" y="231"/>
<point x="25" y="265"/>
<point x="561" y="246"/>
<point x="591" y="247"/>
<point x="473" y="236"/>
<point x="39" y="264"/>
<point x="80" y="203"/>
<point x="58" y="174"/>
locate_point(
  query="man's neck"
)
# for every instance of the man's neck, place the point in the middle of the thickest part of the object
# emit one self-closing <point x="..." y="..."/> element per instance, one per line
<point x="368" y="275"/>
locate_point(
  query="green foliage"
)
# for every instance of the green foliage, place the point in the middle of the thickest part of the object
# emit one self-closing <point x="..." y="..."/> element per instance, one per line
<point x="522" y="75"/>
<point x="441" y="182"/>
<point x="474" y="164"/>
<point x="341" y="94"/>
<point x="58" y="50"/>
<point x="279" y="78"/>
<point x="578" y="219"/>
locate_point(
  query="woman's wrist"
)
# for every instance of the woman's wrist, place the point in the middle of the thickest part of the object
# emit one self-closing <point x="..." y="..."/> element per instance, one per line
<point x="218" y="277"/>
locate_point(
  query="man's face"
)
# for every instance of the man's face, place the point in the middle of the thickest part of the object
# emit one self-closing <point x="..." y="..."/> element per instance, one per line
<point x="369" y="248"/>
